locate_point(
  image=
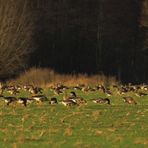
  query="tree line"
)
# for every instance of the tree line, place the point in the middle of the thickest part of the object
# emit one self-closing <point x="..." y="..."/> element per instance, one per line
<point x="99" y="36"/>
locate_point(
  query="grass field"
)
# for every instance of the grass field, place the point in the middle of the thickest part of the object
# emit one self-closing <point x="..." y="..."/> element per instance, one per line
<point x="87" y="126"/>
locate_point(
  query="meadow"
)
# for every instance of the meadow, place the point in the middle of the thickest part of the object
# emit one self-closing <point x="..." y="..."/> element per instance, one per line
<point x="91" y="125"/>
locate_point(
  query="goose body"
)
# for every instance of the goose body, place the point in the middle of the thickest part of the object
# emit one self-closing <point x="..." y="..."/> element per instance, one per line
<point x="102" y="101"/>
<point x="76" y="99"/>
<point x="13" y="91"/>
<point x="9" y="100"/>
<point x="68" y="102"/>
<point x="57" y="92"/>
<point x="108" y="93"/>
<point x="129" y="100"/>
<point x="27" y="87"/>
<point x="73" y="94"/>
<point x="141" y="94"/>
<point x="35" y="90"/>
<point x="53" y="101"/>
<point x="39" y="98"/>
<point x="24" y="101"/>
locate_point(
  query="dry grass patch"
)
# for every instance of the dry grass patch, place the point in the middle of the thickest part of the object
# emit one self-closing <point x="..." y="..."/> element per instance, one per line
<point x="48" y="77"/>
<point x="14" y="145"/>
<point x="96" y="115"/>
<point x="68" y="131"/>
<point x="98" y="132"/>
<point x="141" y="141"/>
<point x="78" y="144"/>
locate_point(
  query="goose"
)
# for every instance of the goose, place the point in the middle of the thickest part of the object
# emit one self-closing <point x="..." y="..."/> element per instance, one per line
<point x="65" y="98"/>
<point x="27" y="87"/>
<point x="102" y="101"/>
<point x="13" y="91"/>
<point x="18" y="87"/>
<point x="1" y="96"/>
<point x="57" y="91"/>
<point x="68" y="102"/>
<point x="24" y="101"/>
<point x="141" y="94"/>
<point x="85" y="88"/>
<point x="30" y="100"/>
<point x="39" y="98"/>
<point x="73" y="97"/>
<point x="120" y="92"/>
<point x="73" y="94"/>
<point x="129" y="100"/>
<point x="76" y="88"/>
<point x="9" y="100"/>
<point x="144" y="87"/>
<point x="53" y="101"/>
<point x="102" y="88"/>
<point x="60" y="87"/>
<point x="108" y="93"/>
<point x="35" y="90"/>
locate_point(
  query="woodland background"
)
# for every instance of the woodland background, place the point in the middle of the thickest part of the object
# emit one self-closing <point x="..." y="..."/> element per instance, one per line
<point x="107" y="37"/>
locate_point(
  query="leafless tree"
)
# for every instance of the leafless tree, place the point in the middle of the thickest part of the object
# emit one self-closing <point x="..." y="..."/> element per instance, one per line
<point x="16" y="30"/>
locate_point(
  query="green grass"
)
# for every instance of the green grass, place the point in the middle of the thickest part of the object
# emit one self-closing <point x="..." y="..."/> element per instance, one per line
<point x="91" y="125"/>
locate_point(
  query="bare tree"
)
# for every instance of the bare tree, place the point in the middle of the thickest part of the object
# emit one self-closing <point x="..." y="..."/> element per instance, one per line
<point x="16" y="31"/>
<point x="144" y="22"/>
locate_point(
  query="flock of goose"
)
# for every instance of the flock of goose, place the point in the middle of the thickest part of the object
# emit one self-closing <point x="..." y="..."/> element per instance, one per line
<point x="37" y="94"/>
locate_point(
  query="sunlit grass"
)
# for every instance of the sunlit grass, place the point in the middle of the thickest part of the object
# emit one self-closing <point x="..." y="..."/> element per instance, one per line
<point x="91" y="125"/>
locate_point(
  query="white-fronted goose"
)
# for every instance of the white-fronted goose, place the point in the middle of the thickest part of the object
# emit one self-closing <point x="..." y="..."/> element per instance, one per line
<point x="102" y="101"/>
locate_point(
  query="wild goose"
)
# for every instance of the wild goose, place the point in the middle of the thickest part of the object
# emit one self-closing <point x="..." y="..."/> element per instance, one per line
<point x="85" y="88"/>
<point x="9" y="100"/>
<point x="77" y="99"/>
<point x="73" y="97"/>
<point x="76" y="88"/>
<point x="53" y="101"/>
<point x="57" y="91"/>
<point x="144" y="87"/>
<point x="60" y="87"/>
<point x="129" y="100"/>
<point x="65" y="98"/>
<point x="39" y="98"/>
<point x="68" y="102"/>
<point x="101" y="88"/>
<point x="27" y="87"/>
<point x="108" y="92"/>
<point x="18" y="87"/>
<point x="24" y="101"/>
<point x="35" y="90"/>
<point x="13" y="91"/>
<point x="102" y="101"/>
<point x="73" y="94"/>
<point x="120" y="92"/>
<point x="141" y="94"/>
<point x="123" y="89"/>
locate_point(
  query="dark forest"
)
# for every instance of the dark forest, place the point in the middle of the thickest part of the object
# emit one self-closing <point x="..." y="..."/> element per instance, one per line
<point x="91" y="36"/>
